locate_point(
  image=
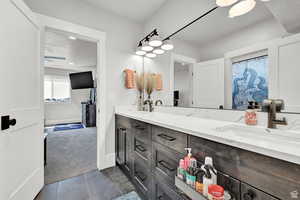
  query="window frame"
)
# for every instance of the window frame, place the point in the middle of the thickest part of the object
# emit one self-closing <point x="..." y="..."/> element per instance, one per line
<point x="52" y="78"/>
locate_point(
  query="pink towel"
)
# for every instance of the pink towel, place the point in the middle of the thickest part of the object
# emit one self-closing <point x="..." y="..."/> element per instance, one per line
<point x="129" y="78"/>
<point x="159" y="82"/>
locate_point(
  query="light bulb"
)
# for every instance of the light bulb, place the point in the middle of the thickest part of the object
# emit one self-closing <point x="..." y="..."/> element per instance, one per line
<point x="224" y="3"/>
<point x="151" y="55"/>
<point x="146" y="47"/>
<point x="140" y="52"/>
<point x="158" y="51"/>
<point x="241" y="8"/>
<point x="167" y="45"/>
<point x="155" y="41"/>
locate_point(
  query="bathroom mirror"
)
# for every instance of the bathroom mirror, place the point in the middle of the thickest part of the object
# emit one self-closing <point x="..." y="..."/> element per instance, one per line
<point x="223" y="62"/>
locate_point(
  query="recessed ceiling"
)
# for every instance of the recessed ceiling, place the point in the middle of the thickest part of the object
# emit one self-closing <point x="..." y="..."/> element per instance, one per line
<point x="137" y="10"/>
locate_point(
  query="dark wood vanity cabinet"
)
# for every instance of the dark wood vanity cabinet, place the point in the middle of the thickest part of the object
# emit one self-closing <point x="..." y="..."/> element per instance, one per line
<point x="149" y="155"/>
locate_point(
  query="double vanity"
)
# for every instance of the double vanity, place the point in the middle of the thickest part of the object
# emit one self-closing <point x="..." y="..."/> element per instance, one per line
<point x="252" y="162"/>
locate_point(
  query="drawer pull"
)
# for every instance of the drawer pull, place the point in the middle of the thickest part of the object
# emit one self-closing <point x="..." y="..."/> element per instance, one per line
<point x="139" y="127"/>
<point x="161" y="197"/>
<point x="140" y="176"/>
<point x="140" y="148"/>
<point x="166" y="137"/>
<point x="166" y="165"/>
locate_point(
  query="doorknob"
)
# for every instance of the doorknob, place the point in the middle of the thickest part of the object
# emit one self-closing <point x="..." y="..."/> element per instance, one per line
<point x="6" y="122"/>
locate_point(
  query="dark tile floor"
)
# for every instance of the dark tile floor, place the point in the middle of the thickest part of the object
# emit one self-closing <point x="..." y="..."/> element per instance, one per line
<point x="94" y="185"/>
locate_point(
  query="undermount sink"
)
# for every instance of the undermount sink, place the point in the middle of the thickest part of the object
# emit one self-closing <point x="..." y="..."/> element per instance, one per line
<point x="260" y="133"/>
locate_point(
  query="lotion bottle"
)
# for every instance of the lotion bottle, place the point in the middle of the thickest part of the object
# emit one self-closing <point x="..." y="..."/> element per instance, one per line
<point x="207" y="180"/>
<point x="187" y="159"/>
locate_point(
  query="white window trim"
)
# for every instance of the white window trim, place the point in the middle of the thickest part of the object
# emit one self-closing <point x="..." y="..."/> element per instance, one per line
<point x="52" y="91"/>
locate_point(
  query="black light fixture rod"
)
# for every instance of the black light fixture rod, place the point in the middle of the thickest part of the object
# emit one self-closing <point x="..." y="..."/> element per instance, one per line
<point x="211" y="10"/>
<point x="154" y="32"/>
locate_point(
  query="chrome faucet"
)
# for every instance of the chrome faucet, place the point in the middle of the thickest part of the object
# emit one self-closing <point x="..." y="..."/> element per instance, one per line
<point x="272" y="106"/>
<point x="150" y="105"/>
<point x="158" y="101"/>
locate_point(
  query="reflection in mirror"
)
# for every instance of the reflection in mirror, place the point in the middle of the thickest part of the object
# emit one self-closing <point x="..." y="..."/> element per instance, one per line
<point x="229" y="62"/>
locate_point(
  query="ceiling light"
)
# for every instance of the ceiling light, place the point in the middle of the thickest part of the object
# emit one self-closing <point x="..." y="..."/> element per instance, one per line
<point x="158" y="51"/>
<point x="224" y="3"/>
<point x="139" y="50"/>
<point x="241" y="8"/>
<point x="151" y="55"/>
<point x="71" y="63"/>
<point x="167" y="45"/>
<point x="72" y="38"/>
<point x="155" y="41"/>
<point x="146" y="47"/>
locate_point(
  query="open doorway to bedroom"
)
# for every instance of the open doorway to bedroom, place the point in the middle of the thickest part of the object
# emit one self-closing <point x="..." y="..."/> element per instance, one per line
<point x="70" y="99"/>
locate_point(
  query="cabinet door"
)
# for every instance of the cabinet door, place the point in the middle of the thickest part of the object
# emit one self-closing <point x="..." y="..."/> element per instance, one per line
<point x="120" y="145"/>
<point x="250" y="193"/>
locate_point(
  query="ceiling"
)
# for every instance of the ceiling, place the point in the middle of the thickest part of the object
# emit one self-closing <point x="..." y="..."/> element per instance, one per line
<point x="67" y="53"/>
<point x="136" y="10"/>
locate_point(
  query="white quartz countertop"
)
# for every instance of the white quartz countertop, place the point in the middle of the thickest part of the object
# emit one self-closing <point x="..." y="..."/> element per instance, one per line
<point x="284" y="146"/>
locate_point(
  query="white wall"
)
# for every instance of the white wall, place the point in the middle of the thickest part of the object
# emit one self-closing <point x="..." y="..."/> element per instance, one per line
<point x="122" y="36"/>
<point x="257" y="33"/>
<point x="182" y="80"/>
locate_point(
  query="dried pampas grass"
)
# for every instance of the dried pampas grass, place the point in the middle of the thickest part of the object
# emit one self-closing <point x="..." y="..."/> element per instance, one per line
<point x="140" y="82"/>
<point x="150" y="84"/>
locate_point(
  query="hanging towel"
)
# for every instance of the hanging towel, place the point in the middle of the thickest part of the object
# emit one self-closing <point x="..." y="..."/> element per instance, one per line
<point x="159" y="82"/>
<point x="129" y="78"/>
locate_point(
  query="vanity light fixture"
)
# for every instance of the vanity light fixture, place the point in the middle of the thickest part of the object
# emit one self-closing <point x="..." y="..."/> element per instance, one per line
<point x="151" y="55"/>
<point x="152" y="45"/>
<point x="241" y="8"/>
<point x="224" y="3"/>
<point x="158" y="51"/>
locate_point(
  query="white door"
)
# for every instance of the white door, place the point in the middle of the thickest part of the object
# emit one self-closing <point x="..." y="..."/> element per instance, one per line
<point x="208" y="84"/>
<point x="21" y="145"/>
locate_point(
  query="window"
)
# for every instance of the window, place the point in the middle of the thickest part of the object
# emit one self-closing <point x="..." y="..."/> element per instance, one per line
<point x="249" y="81"/>
<point x="57" y="88"/>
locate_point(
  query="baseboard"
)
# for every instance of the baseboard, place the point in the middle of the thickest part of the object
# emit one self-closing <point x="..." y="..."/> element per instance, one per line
<point x="110" y="161"/>
<point x="61" y="121"/>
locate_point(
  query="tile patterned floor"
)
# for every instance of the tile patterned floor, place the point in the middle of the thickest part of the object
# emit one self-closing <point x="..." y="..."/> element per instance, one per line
<point x="94" y="185"/>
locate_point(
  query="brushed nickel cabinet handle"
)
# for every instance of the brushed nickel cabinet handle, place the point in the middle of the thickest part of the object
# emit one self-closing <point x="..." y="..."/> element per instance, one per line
<point x="166" y="137"/>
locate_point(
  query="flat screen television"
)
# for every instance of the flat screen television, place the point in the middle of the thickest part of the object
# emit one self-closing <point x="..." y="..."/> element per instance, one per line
<point x="81" y="80"/>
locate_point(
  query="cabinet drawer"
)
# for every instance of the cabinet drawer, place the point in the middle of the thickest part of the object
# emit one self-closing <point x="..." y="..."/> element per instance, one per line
<point x="165" y="162"/>
<point x="170" y="138"/>
<point x="250" y="193"/>
<point x="161" y="191"/>
<point x="141" y="175"/>
<point x="143" y="149"/>
<point x="124" y="122"/>
<point x="142" y="131"/>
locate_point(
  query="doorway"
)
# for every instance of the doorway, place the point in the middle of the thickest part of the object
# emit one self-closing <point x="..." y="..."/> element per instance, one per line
<point x="70" y="105"/>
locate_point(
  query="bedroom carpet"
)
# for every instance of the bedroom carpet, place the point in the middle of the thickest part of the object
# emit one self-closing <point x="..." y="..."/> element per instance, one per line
<point x="70" y="153"/>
